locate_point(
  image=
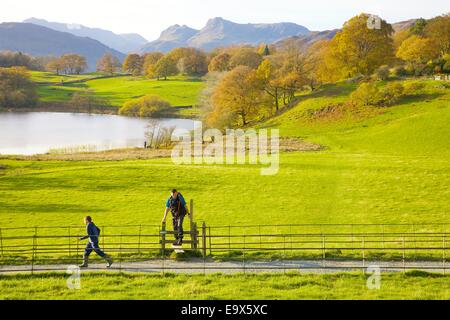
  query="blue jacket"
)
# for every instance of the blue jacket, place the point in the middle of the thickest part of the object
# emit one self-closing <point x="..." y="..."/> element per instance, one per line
<point x="93" y="232"/>
<point x="180" y="197"/>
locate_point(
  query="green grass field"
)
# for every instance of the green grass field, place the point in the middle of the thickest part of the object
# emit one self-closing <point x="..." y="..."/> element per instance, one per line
<point x="380" y="165"/>
<point x="392" y="167"/>
<point x="179" y="91"/>
<point x="50" y="77"/>
<point x="290" y="286"/>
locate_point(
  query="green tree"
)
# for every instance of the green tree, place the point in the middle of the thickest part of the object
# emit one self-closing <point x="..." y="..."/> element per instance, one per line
<point x="418" y="28"/>
<point x="165" y="67"/>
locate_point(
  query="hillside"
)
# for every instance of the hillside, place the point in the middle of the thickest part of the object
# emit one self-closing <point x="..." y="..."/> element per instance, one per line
<point x="121" y="42"/>
<point x="416" y="125"/>
<point x="41" y="41"/>
<point x="219" y="32"/>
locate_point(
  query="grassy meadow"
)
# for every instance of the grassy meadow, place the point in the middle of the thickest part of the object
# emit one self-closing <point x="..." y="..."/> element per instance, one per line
<point x="289" y="286"/>
<point x="179" y="91"/>
<point x="42" y="77"/>
<point x="379" y="166"/>
<point x="390" y="165"/>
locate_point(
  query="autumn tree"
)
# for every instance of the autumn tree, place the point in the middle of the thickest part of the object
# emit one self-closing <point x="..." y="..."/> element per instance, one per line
<point x="360" y="49"/>
<point x="145" y="106"/>
<point x="133" y="64"/>
<point x="323" y="67"/>
<point x="165" y="67"/>
<point x="417" y="51"/>
<point x="19" y="59"/>
<point x="150" y="61"/>
<point x="438" y="31"/>
<point x="108" y="64"/>
<point x="220" y="63"/>
<point x="88" y="101"/>
<point x="192" y="62"/>
<point x="268" y="73"/>
<point x="245" y="57"/>
<point x="16" y="88"/>
<point x="55" y="65"/>
<point x="238" y="97"/>
<point x="73" y="63"/>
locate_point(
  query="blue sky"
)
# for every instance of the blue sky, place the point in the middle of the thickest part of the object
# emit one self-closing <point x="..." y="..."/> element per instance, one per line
<point x="150" y="17"/>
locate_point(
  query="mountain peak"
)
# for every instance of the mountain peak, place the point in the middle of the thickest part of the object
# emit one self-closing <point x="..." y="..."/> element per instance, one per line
<point x="122" y="43"/>
<point x="221" y="32"/>
<point x="177" y="33"/>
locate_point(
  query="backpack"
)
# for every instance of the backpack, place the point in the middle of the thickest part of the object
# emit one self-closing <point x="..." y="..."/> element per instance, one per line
<point x="180" y="210"/>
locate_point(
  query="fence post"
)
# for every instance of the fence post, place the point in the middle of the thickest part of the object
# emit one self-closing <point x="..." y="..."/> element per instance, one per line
<point x="70" y="246"/>
<point x="323" y="251"/>
<point x="163" y="239"/>
<point x="78" y="250"/>
<point x="194" y="236"/>
<point x="415" y="242"/>
<point x="444" y="258"/>
<point x="353" y="239"/>
<point x="103" y="238"/>
<point x="120" y="253"/>
<point x="403" y="255"/>
<point x="364" y="254"/>
<point x="243" y="254"/>
<point x="210" y="244"/>
<point x="229" y="239"/>
<point x="191" y="211"/>
<point x="139" y="239"/>
<point x="163" y="246"/>
<point x="33" y="254"/>
<point x="204" y="239"/>
<point x="1" y="242"/>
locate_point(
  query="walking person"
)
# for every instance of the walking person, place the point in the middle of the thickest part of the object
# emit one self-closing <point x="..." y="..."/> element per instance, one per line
<point x="93" y="233"/>
<point x="178" y="207"/>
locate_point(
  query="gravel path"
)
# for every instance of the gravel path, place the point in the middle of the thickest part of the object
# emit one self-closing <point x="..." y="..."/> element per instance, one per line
<point x="200" y="266"/>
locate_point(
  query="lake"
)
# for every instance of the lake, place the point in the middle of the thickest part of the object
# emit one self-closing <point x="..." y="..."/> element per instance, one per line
<point x="31" y="133"/>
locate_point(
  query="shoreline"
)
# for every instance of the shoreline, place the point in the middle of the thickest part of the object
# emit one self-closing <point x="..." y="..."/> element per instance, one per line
<point x="107" y="110"/>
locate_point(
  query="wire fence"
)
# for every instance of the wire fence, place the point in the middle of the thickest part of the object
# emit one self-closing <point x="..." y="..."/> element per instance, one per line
<point x="245" y="247"/>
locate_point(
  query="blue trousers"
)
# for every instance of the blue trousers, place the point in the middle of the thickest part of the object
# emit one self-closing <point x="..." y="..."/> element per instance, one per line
<point x="93" y="246"/>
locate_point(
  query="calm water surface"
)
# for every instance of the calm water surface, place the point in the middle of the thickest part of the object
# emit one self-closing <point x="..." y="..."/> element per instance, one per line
<point x="39" y="132"/>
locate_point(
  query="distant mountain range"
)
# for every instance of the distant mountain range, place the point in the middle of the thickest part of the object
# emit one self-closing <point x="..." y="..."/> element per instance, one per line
<point x="39" y="37"/>
<point x="41" y="41"/>
<point x="219" y="32"/>
<point x="121" y="42"/>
